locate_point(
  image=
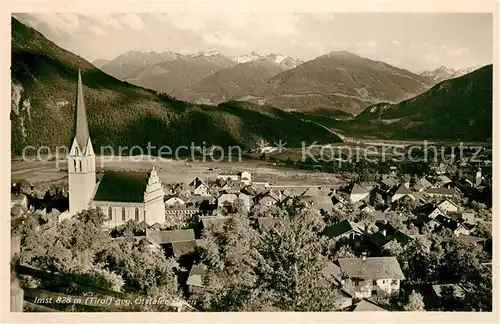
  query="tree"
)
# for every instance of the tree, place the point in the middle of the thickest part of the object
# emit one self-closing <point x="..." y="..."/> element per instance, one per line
<point x="415" y="303"/>
<point x="345" y="251"/>
<point x="80" y="250"/>
<point x="276" y="269"/>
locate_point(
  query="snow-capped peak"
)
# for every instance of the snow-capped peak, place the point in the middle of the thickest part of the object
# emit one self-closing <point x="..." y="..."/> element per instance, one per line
<point x="207" y="54"/>
<point x="277" y="58"/>
<point x="247" y="57"/>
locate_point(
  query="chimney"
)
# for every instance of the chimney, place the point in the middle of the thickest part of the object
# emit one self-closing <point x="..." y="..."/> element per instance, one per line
<point x="363" y="256"/>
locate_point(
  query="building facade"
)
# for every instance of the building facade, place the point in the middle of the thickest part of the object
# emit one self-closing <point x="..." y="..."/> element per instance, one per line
<point x="122" y="196"/>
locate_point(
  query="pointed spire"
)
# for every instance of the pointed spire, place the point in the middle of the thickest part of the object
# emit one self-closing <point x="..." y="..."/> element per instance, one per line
<point x="82" y="127"/>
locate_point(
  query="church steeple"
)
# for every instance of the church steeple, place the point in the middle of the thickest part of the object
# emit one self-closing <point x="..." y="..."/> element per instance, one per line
<point x="82" y="136"/>
<point x="81" y="158"/>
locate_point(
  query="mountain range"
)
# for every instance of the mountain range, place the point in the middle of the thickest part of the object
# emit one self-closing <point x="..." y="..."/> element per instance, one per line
<point x="339" y="84"/>
<point x="444" y="73"/>
<point x="358" y="96"/>
<point x="454" y="109"/>
<point x="43" y="87"/>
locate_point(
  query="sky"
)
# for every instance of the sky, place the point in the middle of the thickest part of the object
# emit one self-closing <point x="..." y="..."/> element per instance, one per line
<point x="414" y="41"/>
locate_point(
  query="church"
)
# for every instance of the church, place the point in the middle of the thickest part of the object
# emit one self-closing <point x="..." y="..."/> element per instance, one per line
<point x="121" y="195"/>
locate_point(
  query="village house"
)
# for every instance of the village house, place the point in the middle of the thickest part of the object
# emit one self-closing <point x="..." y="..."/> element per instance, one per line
<point x="201" y="190"/>
<point x="387" y="236"/>
<point x="176" y="201"/>
<point x="176" y="242"/>
<point x="367" y="306"/>
<point x="440" y="192"/>
<point x="244" y="177"/>
<point x="371" y="276"/>
<point x="195" y="278"/>
<point x="269" y="198"/>
<point x="401" y="192"/>
<point x="18" y="199"/>
<point x="358" y="193"/>
<point x="216" y="220"/>
<point x="421" y="185"/>
<point x="319" y="203"/>
<point x="448" y="206"/>
<point x="443" y="181"/>
<point x="456" y="226"/>
<point x="343" y="230"/>
<point x="388" y="183"/>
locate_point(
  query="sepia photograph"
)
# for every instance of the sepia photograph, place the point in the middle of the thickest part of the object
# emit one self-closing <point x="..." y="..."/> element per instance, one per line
<point x="251" y="161"/>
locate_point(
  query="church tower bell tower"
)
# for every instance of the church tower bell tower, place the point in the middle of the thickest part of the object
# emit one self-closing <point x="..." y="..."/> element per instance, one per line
<point x="81" y="158"/>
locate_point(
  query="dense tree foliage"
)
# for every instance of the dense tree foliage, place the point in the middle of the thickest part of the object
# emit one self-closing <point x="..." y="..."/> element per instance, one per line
<point x="78" y="247"/>
<point x="275" y="269"/>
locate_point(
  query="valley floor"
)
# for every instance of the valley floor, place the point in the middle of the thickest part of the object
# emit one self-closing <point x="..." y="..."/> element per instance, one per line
<point x="171" y="171"/>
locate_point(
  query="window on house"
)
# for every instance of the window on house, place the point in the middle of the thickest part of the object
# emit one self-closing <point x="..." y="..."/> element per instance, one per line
<point x="136" y="214"/>
<point x="110" y="212"/>
<point x="123" y="213"/>
<point x="144" y="215"/>
<point x="374" y="282"/>
<point x="74" y="162"/>
<point x="394" y="282"/>
<point x="80" y="165"/>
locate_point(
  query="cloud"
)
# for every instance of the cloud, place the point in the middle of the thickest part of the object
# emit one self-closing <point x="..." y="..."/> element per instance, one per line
<point x="106" y="21"/>
<point x="457" y="51"/>
<point x="432" y="57"/>
<point x="97" y="30"/>
<point x="183" y="21"/>
<point x="396" y="42"/>
<point x="366" y="47"/>
<point x="133" y="21"/>
<point x="223" y="39"/>
<point x="61" y="25"/>
<point x="282" y="24"/>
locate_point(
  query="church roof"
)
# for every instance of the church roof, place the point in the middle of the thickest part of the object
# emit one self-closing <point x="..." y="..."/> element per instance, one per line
<point x="122" y="186"/>
<point x="82" y="126"/>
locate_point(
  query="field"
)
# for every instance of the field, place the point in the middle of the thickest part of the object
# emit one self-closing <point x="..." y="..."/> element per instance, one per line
<point x="171" y="171"/>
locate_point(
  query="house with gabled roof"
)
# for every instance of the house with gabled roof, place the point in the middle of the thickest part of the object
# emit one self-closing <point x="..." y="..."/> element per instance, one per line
<point x="455" y="225"/>
<point x="268" y="198"/>
<point x="226" y="198"/>
<point x="443" y="181"/>
<point x="18" y="199"/>
<point x="176" y="242"/>
<point x="176" y="200"/>
<point x="384" y="239"/>
<point x="440" y="192"/>
<point x="367" y="306"/>
<point x="343" y="230"/>
<point x="195" y="278"/>
<point x="371" y="276"/>
<point x="358" y="193"/>
<point x="402" y="191"/>
<point x="217" y="220"/>
<point x="448" y="206"/>
<point x="388" y="183"/>
<point x="421" y="185"/>
<point x="319" y="203"/>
